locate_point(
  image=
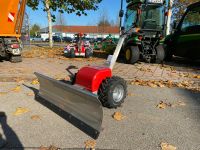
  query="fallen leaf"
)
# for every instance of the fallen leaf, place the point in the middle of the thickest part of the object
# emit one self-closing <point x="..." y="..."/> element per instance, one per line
<point x="17" y="89"/>
<point x="35" y="82"/>
<point x="163" y="105"/>
<point x="179" y="103"/>
<point x="30" y="94"/>
<point x="130" y="94"/>
<point x="3" y="93"/>
<point x="166" y="146"/>
<point x="49" y="148"/>
<point x="118" y="116"/>
<point x="90" y="144"/>
<point x="20" y="111"/>
<point x="35" y="117"/>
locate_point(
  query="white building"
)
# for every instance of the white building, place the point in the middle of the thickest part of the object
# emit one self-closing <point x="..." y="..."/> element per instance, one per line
<point x="91" y="31"/>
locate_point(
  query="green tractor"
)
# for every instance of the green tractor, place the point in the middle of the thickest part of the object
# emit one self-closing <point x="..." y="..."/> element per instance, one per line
<point x="185" y="39"/>
<point x="145" y="28"/>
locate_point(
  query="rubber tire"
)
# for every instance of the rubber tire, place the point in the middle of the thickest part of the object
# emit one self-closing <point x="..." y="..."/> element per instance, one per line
<point x="72" y="53"/>
<point x="106" y="89"/>
<point x="160" y="54"/>
<point x="168" y="55"/>
<point x="88" y="53"/>
<point x="135" y="54"/>
<point x="15" y="59"/>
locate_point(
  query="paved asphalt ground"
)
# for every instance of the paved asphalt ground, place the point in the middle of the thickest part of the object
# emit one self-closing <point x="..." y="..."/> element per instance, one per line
<point x="143" y="128"/>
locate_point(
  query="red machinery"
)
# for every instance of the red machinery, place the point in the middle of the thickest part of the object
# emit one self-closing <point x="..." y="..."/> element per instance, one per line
<point x="80" y="47"/>
<point x="81" y="100"/>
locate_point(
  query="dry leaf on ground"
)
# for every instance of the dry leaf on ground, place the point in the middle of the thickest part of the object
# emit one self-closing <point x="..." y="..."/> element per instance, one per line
<point x="90" y="144"/>
<point x="35" y="82"/>
<point x="130" y="94"/>
<point x="118" y="116"/>
<point x="35" y="117"/>
<point x="163" y="105"/>
<point x="20" y="111"/>
<point x="30" y="94"/>
<point x="17" y="89"/>
<point x="49" y="148"/>
<point x="166" y="146"/>
<point x="179" y="103"/>
<point x="3" y="93"/>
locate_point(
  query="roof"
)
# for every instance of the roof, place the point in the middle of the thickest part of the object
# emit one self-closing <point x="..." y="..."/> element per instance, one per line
<point x="83" y="29"/>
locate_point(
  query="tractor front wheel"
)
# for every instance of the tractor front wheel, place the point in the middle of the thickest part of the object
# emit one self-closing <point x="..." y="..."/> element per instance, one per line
<point x="88" y="53"/>
<point x="132" y="54"/>
<point x="112" y="92"/>
<point x="72" y="53"/>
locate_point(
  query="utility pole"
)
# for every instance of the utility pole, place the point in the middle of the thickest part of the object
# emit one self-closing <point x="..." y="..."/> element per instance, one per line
<point x="121" y="14"/>
<point x="169" y="16"/>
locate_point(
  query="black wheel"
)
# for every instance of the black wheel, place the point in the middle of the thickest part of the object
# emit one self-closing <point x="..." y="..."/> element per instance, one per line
<point x="88" y="53"/>
<point x="160" y="54"/>
<point x="72" y="53"/>
<point x="132" y="54"/>
<point x="112" y="92"/>
<point x="168" y="55"/>
<point x="15" y="59"/>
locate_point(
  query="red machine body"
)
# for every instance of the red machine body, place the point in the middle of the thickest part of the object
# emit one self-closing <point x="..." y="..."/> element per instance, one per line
<point x="91" y="77"/>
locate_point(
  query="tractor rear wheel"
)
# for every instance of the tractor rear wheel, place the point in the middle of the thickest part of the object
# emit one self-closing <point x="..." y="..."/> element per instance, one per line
<point x="112" y="92"/>
<point x="160" y="54"/>
<point x="132" y="54"/>
<point x="15" y="59"/>
<point x="72" y="53"/>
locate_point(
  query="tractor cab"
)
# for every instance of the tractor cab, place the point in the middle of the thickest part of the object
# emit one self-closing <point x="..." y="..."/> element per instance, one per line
<point x="144" y="23"/>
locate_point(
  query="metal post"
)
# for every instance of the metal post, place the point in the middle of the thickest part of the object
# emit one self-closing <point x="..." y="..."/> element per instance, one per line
<point x="170" y="4"/>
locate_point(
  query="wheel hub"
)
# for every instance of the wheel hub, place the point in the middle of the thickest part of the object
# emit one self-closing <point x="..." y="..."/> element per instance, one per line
<point x="128" y="54"/>
<point x="118" y="93"/>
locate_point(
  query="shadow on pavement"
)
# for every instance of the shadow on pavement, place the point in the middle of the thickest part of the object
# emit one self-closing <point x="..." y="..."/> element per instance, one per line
<point x="12" y="141"/>
<point x="183" y="62"/>
<point x="65" y="115"/>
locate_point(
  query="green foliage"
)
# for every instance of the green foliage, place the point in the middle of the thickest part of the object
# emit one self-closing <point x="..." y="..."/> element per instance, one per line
<point x="70" y="6"/>
<point x="179" y="7"/>
<point x="34" y="30"/>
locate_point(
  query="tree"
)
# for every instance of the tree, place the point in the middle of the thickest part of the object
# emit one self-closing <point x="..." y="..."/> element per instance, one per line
<point x="179" y="7"/>
<point x="34" y="30"/>
<point x="103" y="19"/>
<point x="60" y="21"/>
<point x="70" y="6"/>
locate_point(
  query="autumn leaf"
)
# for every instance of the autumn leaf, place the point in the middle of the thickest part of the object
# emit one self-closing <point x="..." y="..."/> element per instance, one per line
<point x="49" y="148"/>
<point x="35" y="117"/>
<point x="35" y="82"/>
<point x="3" y="93"/>
<point x="130" y="94"/>
<point x="118" y="116"/>
<point x="17" y="89"/>
<point x="90" y="144"/>
<point x="166" y="146"/>
<point x="20" y="111"/>
<point x="30" y="94"/>
<point x="163" y="105"/>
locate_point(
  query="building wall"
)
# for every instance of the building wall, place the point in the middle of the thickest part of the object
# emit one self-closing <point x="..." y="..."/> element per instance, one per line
<point x="44" y="36"/>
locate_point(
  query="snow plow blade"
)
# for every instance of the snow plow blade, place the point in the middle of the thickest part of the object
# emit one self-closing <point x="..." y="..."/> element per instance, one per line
<point x="79" y="107"/>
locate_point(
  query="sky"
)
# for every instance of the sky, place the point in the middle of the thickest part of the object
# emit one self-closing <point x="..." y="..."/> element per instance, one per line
<point x="111" y="7"/>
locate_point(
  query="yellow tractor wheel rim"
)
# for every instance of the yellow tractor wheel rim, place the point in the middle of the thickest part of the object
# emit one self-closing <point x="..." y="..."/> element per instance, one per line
<point x="128" y="54"/>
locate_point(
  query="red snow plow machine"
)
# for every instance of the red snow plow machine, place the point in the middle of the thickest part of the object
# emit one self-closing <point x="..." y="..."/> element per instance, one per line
<point x="81" y="100"/>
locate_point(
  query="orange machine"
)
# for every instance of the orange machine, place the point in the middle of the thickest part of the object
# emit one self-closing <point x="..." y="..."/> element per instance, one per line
<point x="11" y="20"/>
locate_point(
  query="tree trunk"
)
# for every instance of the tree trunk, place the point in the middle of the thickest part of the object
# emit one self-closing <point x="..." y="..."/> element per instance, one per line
<point x="49" y="22"/>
